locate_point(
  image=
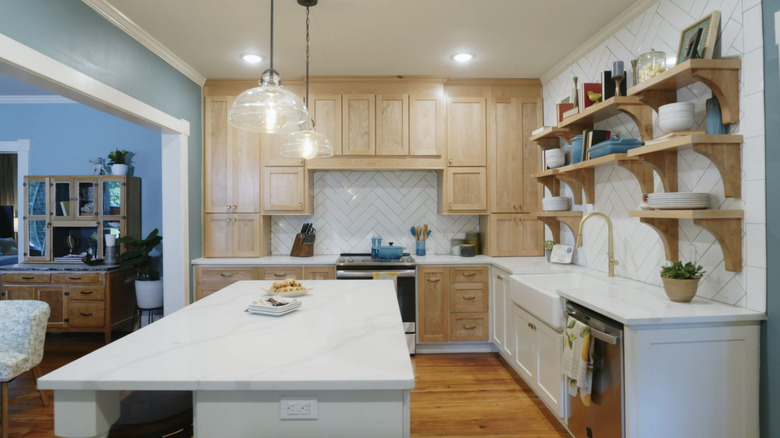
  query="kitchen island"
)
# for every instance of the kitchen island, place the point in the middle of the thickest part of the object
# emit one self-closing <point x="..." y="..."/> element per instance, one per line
<point x="344" y="347"/>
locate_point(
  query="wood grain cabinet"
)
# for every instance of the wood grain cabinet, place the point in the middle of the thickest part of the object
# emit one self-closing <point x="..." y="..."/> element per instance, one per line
<point x="427" y="124"/>
<point x="287" y="190"/>
<point x="466" y="131"/>
<point x="453" y="304"/>
<point x="326" y="113"/>
<point x="279" y="272"/>
<point x="358" y="118"/>
<point x="319" y="272"/>
<point x="392" y="124"/>
<point x="511" y="235"/>
<point x="80" y="301"/>
<point x="463" y="190"/>
<point x="235" y="235"/>
<point x="213" y="278"/>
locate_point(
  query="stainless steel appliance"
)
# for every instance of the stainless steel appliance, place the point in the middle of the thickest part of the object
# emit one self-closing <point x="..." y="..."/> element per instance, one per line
<point x="361" y="266"/>
<point x="604" y="418"/>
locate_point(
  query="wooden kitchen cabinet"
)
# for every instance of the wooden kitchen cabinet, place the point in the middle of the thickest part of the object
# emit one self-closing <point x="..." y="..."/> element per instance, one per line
<point x="319" y="272"/>
<point x="271" y="151"/>
<point x="279" y="272"/>
<point x="453" y="304"/>
<point x="358" y="120"/>
<point x="235" y="235"/>
<point x="80" y="301"/>
<point x="538" y="351"/>
<point x="287" y="190"/>
<point x="210" y="279"/>
<point x="466" y="131"/>
<point x="231" y="159"/>
<point x="511" y="235"/>
<point x="427" y="124"/>
<point x="326" y="113"/>
<point x="392" y="124"/>
<point x="462" y="190"/>
<point x="433" y="313"/>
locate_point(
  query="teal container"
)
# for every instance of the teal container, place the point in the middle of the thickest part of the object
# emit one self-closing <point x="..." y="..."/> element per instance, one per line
<point x="576" y="149"/>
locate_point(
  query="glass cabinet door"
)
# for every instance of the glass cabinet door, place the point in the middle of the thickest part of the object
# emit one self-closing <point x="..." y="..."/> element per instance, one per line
<point x="36" y="191"/>
<point x="37" y="239"/>
<point x="61" y="199"/>
<point x="113" y="197"/>
<point x="86" y="195"/>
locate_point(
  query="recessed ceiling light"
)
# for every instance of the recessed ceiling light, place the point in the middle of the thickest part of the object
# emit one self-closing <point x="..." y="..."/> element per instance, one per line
<point x="252" y="58"/>
<point x="463" y="57"/>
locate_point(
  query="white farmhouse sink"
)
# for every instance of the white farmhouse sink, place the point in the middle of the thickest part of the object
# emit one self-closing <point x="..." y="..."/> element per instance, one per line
<point x="538" y="294"/>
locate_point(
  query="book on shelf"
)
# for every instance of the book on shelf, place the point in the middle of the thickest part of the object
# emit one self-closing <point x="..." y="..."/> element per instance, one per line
<point x="608" y="86"/>
<point x="585" y="101"/>
<point x="572" y="112"/>
<point x="562" y="108"/>
<point x="592" y="137"/>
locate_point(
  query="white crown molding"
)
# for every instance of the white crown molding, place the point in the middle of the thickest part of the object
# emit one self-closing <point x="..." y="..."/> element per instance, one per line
<point x="591" y="43"/>
<point x="127" y="25"/>
<point x="33" y="99"/>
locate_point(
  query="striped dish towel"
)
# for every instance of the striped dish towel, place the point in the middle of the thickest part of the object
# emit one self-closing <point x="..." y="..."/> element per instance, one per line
<point x="577" y="364"/>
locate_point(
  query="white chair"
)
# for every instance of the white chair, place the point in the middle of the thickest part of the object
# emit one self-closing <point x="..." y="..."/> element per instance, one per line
<point x="22" y="334"/>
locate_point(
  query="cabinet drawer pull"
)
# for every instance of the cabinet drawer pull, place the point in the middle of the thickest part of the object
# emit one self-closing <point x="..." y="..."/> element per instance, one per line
<point x="74" y="278"/>
<point x="280" y="274"/>
<point x="469" y="274"/>
<point x="469" y="327"/>
<point x="85" y="314"/>
<point x="86" y="292"/>
<point x="433" y="280"/>
<point x="226" y="275"/>
<point x="500" y="277"/>
<point x="469" y="298"/>
<point x="28" y="278"/>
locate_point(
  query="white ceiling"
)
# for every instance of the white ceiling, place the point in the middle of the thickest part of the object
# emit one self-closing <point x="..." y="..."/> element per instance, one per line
<point x="511" y="38"/>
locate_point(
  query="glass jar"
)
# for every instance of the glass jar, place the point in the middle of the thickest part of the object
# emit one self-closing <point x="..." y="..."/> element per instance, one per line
<point x="650" y="64"/>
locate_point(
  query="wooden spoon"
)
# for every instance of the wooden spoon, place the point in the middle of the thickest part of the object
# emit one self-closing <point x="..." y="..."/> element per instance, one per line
<point x="424" y="232"/>
<point x="419" y="230"/>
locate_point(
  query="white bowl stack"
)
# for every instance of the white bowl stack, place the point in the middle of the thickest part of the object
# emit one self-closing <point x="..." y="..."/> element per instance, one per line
<point x="554" y="158"/>
<point x="555" y="203"/>
<point x="676" y="116"/>
<point x="678" y="200"/>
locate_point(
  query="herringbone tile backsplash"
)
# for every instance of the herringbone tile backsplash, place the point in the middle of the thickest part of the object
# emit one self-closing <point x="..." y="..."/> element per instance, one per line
<point x="352" y="206"/>
<point x="637" y="246"/>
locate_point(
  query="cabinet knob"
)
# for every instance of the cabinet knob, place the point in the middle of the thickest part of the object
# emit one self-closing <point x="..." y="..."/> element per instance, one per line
<point x="228" y="219"/>
<point x="235" y="207"/>
<point x="300" y="204"/>
<point x="226" y="275"/>
<point x="469" y="274"/>
<point x="432" y="280"/>
<point x="74" y="278"/>
<point x="235" y="220"/>
<point x="450" y="161"/>
<point x="280" y="274"/>
<point x="300" y="160"/>
<point x="229" y="207"/>
<point x="86" y="292"/>
<point x="469" y="298"/>
<point x="500" y="277"/>
<point x="450" y="204"/>
<point x="469" y="327"/>
<point x="85" y="314"/>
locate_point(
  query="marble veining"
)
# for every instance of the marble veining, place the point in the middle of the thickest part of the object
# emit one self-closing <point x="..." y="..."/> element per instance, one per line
<point x="347" y="335"/>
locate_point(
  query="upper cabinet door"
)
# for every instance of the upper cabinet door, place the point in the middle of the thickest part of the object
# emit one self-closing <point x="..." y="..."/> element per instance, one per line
<point x="271" y="145"/>
<point x="216" y="157"/>
<point x="508" y="140"/>
<point x="392" y="124"/>
<point x="358" y="118"/>
<point x="466" y="139"/>
<point x="426" y="125"/>
<point x="244" y="171"/>
<point x="326" y="113"/>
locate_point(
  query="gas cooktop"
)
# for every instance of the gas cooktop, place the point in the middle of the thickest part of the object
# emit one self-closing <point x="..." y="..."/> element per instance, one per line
<point x="364" y="259"/>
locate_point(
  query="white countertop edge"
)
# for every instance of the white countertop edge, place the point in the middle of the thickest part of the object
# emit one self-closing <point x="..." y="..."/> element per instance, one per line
<point x="335" y="385"/>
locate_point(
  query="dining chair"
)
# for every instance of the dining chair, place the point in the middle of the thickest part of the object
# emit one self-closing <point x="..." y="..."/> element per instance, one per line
<point x="22" y="334"/>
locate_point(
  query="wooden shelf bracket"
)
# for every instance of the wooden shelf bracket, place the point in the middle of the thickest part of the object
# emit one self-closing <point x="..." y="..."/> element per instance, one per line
<point x="580" y="180"/>
<point x="726" y="157"/>
<point x="665" y="163"/>
<point x="728" y="232"/>
<point x="669" y="231"/>
<point x="642" y="115"/>
<point x="724" y="85"/>
<point x="641" y="172"/>
<point x="554" y="223"/>
<point x="552" y="183"/>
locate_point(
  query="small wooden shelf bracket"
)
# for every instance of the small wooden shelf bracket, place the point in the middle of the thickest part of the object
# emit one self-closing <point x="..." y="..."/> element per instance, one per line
<point x="580" y="180"/>
<point x="552" y="183"/>
<point x="728" y="233"/>
<point x="642" y="173"/>
<point x="554" y="222"/>
<point x="724" y="85"/>
<point x="642" y="115"/>
<point x="668" y="230"/>
<point x="726" y="157"/>
<point x="665" y="164"/>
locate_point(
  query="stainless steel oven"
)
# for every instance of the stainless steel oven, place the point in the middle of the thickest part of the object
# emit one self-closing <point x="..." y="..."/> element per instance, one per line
<point x="363" y="267"/>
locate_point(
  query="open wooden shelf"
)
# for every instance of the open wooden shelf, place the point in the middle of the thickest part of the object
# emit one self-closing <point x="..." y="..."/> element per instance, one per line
<point x="549" y="138"/>
<point x="725" y="225"/>
<point x="639" y="112"/>
<point x="720" y="75"/>
<point x="722" y="150"/>
<point x="554" y="219"/>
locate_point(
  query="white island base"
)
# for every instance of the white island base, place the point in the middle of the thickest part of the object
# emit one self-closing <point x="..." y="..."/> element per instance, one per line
<point x="345" y="348"/>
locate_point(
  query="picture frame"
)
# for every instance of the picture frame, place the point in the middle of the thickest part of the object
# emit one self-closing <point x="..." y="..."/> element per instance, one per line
<point x="698" y="39"/>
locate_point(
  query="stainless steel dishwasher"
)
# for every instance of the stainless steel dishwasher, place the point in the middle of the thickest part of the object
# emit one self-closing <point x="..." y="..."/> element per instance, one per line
<point x="604" y="418"/>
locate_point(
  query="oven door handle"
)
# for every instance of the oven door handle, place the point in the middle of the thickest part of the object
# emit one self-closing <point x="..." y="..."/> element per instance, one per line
<point x="369" y="275"/>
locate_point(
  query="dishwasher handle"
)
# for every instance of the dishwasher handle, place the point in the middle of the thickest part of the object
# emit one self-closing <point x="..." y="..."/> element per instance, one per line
<point x="609" y="339"/>
<point x="590" y="319"/>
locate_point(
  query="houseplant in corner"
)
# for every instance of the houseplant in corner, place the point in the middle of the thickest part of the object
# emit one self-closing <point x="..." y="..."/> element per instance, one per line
<point x="119" y="161"/>
<point x="681" y="280"/>
<point x="548" y="246"/>
<point x="148" y="285"/>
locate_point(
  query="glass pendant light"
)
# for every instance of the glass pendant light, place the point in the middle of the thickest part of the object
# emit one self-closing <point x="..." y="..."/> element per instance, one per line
<point x="269" y="108"/>
<point x="307" y="143"/>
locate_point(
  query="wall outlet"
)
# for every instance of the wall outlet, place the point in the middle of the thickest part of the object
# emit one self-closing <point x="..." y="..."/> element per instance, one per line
<point x="298" y="408"/>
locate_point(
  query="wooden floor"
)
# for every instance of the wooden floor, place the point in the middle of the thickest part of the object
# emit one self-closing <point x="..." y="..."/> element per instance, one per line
<point x="456" y="395"/>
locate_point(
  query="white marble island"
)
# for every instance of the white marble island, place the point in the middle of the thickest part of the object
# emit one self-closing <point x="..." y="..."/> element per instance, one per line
<point x="344" y="347"/>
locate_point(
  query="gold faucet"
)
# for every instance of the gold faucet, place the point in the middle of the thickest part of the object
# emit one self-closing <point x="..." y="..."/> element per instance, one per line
<point x="611" y="247"/>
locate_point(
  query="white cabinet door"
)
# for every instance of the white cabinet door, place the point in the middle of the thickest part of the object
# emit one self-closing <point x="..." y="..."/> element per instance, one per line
<point x="497" y="293"/>
<point x="525" y="345"/>
<point x="549" y="378"/>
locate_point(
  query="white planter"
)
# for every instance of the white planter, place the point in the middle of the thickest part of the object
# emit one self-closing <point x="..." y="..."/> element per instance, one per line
<point x="119" y="169"/>
<point x="149" y="294"/>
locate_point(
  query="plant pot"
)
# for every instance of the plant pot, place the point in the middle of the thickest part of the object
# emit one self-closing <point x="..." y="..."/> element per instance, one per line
<point x="547" y="253"/>
<point x="680" y="291"/>
<point x="119" y="169"/>
<point x="149" y="294"/>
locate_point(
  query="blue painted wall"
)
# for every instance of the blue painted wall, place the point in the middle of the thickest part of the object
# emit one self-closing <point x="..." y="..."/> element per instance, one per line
<point x="770" y="330"/>
<point x="74" y="34"/>
<point x="64" y="137"/>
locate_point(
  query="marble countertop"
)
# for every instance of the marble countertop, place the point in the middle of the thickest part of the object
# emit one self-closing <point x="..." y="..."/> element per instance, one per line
<point x="347" y="335"/>
<point x="57" y="267"/>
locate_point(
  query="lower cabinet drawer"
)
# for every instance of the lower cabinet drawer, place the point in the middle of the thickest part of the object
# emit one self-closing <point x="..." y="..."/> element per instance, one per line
<point x="22" y="278"/>
<point x="86" y="292"/>
<point x="280" y="272"/>
<point x="203" y="290"/>
<point x="224" y="275"/>
<point x="75" y="277"/>
<point x="86" y="315"/>
<point x="469" y="297"/>
<point x="466" y="327"/>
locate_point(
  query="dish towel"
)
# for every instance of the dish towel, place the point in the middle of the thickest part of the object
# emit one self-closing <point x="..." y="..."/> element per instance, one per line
<point x="577" y="360"/>
<point x="387" y="275"/>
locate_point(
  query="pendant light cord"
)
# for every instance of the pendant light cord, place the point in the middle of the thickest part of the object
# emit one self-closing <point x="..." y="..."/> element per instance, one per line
<point x="307" y="56"/>
<point x="272" y="37"/>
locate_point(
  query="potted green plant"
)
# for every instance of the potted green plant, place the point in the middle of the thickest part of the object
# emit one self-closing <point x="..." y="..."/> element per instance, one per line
<point x="548" y="246"/>
<point x="148" y="283"/>
<point x="119" y="160"/>
<point x="681" y="280"/>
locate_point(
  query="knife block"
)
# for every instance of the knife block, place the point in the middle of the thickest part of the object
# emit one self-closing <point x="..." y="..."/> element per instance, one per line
<point x="300" y="249"/>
